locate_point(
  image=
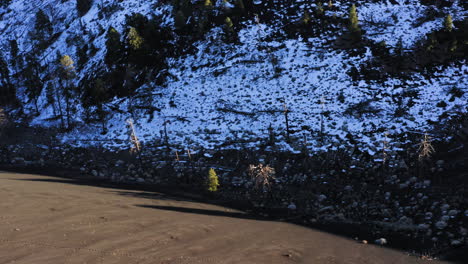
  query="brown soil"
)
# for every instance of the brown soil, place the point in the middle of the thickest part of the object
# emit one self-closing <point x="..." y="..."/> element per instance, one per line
<point x="55" y="220"/>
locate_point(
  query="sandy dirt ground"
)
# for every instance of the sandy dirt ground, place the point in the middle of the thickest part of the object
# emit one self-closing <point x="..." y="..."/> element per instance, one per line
<point x="55" y="220"/>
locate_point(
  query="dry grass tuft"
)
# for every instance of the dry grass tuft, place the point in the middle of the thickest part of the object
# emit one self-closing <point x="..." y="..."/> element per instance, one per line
<point x="263" y="175"/>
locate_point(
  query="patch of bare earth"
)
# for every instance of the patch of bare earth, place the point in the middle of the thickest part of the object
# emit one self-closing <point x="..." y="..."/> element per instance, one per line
<point x="54" y="220"/>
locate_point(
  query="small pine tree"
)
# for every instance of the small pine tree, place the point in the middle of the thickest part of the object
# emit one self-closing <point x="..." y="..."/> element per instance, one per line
<point x="113" y="47"/>
<point x="4" y="73"/>
<point x="448" y="23"/>
<point x="213" y="182"/>
<point x="453" y="45"/>
<point x="4" y="3"/>
<point x="83" y="6"/>
<point x="42" y="23"/>
<point x="319" y="9"/>
<point x="305" y="18"/>
<point x="353" y="19"/>
<point x="180" y="19"/>
<point x="50" y="96"/>
<point x="229" y="24"/>
<point x="134" y="39"/>
<point x="43" y="30"/>
<point x="240" y="4"/>
<point x="208" y="4"/>
<point x="14" y="48"/>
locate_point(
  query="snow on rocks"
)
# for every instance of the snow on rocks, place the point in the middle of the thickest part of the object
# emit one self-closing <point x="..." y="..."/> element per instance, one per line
<point x="381" y="241"/>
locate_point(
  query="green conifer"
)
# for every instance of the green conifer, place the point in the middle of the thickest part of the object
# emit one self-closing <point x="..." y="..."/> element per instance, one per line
<point x="229" y="24"/>
<point x="113" y="47"/>
<point x="319" y="9"/>
<point x="448" y="23"/>
<point x="305" y="18"/>
<point x="83" y="6"/>
<point x="180" y="19"/>
<point x="353" y="19"/>
<point x="208" y="4"/>
<point x="240" y="4"/>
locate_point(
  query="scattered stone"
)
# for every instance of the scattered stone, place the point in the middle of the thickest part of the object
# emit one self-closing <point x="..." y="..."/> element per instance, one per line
<point x="18" y="161"/>
<point x="423" y="226"/>
<point x="445" y="218"/>
<point x="364" y="242"/>
<point x="322" y="197"/>
<point x="381" y="241"/>
<point x="292" y="206"/>
<point x="403" y="185"/>
<point x="140" y="180"/>
<point x="427" y="183"/>
<point x="405" y="220"/>
<point x="453" y="213"/>
<point x="444" y="207"/>
<point x="441" y="225"/>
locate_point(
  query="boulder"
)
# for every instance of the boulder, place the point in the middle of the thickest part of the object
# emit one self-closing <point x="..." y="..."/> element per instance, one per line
<point x="381" y="241"/>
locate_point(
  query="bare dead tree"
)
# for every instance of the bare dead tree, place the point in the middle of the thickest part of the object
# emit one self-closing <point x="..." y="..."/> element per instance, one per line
<point x="425" y="148"/>
<point x="135" y="142"/>
<point x="286" y="111"/>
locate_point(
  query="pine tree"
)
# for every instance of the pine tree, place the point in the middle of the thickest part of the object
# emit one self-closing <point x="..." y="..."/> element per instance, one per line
<point x="208" y="4"/>
<point x="83" y="6"/>
<point x="42" y="29"/>
<point x="180" y="20"/>
<point x="4" y="71"/>
<point x="305" y="18"/>
<point x="113" y="47"/>
<point x="134" y="39"/>
<point x="229" y="25"/>
<point x="98" y="94"/>
<point x="4" y="3"/>
<point x="319" y="9"/>
<point x="448" y="23"/>
<point x="353" y="19"/>
<point x="32" y="80"/>
<point x="7" y="89"/>
<point x="240" y="4"/>
<point x="16" y="60"/>
<point x="50" y="97"/>
<point x="212" y="182"/>
<point x="14" y="50"/>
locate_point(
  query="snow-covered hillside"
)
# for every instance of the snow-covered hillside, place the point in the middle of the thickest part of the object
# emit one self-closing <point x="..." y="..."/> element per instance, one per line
<point x="234" y="95"/>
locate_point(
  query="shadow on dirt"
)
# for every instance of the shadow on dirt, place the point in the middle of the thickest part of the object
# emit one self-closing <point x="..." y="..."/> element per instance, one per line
<point x="221" y="213"/>
<point x="245" y="211"/>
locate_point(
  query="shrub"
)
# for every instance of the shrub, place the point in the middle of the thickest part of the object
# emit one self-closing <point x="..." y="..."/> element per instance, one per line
<point x="213" y="181"/>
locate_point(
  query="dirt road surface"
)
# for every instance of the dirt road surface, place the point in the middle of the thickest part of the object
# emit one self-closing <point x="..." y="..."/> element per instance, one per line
<point x="47" y="220"/>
